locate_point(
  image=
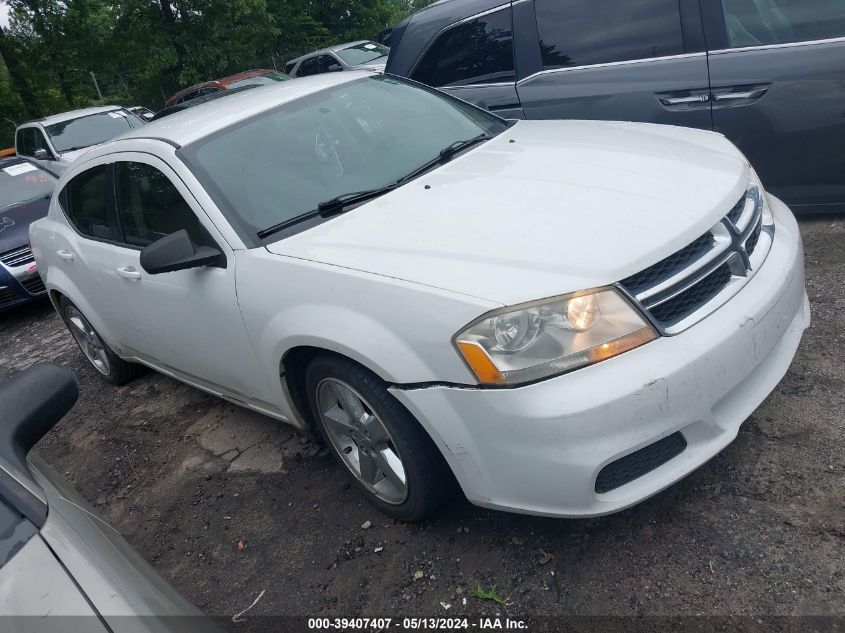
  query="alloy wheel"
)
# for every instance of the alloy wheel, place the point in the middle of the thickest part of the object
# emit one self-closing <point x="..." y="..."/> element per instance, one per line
<point x="362" y="440"/>
<point x="89" y="341"/>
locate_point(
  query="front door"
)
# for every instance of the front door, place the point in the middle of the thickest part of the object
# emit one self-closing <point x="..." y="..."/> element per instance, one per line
<point x="778" y="86"/>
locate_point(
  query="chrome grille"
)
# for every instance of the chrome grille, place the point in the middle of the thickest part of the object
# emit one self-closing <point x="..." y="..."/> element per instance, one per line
<point x="685" y="287"/>
<point x="17" y="257"/>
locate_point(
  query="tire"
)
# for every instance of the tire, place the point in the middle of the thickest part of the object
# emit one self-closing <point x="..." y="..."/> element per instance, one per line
<point x="109" y="365"/>
<point x="428" y="482"/>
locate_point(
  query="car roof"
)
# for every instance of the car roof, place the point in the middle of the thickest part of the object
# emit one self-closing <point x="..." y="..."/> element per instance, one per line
<point x="328" y="49"/>
<point x="201" y="120"/>
<point x="72" y="114"/>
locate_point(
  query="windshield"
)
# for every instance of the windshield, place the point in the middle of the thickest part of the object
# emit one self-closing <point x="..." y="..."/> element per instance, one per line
<point x="259" y="80"/>
<point x="23" y="182"/>
<point x="354" y="137"/>
<point x="362" y="53"/>
<point x="91" y="130"/>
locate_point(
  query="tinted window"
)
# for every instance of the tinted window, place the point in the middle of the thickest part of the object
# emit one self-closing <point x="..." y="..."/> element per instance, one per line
<point x="149" y="206"/>
<point x="362" y="53"/>
<point x="585" y="32"/>
<point x="24" y="182"/>
<point x="324" y="62"/>
<point x="85" y="201"/>
<point x="475" y="52"/>
<point x="308" y="67"/>
<point x="91" y="130"/>
<point x="30" y="139"/>
<point x="760" y="22"/>
<point x="363" y="134"/>
<point x="289" y="67"/>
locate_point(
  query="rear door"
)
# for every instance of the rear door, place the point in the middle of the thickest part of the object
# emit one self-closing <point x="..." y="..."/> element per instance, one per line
<point x="778" y="81"/>
<point x="615" y="60"/>
<point x="474" y="60"/>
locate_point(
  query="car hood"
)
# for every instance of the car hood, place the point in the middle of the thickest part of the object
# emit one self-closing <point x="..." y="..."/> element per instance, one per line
<point x="15" y="221"/>
<point x="545" y="208"/>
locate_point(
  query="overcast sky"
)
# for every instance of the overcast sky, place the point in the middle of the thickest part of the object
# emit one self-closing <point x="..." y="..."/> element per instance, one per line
<point x="4" y="14"/>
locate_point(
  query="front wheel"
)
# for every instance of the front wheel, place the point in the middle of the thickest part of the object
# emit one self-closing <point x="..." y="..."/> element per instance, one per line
<point x="109" y="365"/>
<point x="378" y="441"/>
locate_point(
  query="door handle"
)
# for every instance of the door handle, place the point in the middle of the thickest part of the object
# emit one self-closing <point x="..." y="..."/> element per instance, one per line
<point x="128" y="272"/>
<point x="702" y="98"/>
<point x="65" y="255"/>
<point x="740" y="95"/>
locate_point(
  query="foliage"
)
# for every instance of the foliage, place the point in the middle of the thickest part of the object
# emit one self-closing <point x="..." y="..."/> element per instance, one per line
<point x="481" y="594"/>
<point x="142" y="51"/>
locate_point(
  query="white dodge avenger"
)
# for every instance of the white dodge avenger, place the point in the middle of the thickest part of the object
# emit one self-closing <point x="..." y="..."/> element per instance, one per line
<point x="558" y="317"/>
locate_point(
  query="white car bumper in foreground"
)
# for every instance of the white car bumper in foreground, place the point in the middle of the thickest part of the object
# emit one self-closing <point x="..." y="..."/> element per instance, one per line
<point x="539" y="449"/>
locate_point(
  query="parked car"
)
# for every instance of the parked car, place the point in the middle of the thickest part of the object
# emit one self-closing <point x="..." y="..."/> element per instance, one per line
<point x="766" y="73"/>
<point x="60" y="558"/>
<point x="564" y="316"/>
<point x="190" y="103"/>
<point x="145" y="114"/>
<point x="259" y="77"/>
<point x="25" y="190"/>
<point x="363" y="55"/>
<point x="56" y="141"/>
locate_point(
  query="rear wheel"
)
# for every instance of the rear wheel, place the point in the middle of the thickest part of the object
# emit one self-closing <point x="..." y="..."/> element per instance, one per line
<point x="387" y="452"/>
<point x="109" y="365"/>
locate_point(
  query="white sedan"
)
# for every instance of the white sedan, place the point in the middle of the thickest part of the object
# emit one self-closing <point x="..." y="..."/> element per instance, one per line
<point x="558" y="317"/>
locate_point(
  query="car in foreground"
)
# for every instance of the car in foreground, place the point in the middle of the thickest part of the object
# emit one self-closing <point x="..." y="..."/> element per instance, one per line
<point x="63" y="567"/>
<point x="56" y="141"/>
<point x="766" y="73"/>
<point x="25" y="190"/>
<point x="362" y="55"/>
<point x="258" y="77"/>
<point x="565" y="317"/>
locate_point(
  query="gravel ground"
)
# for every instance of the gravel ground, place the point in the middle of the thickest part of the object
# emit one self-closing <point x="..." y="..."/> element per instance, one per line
<point x="185" y="477"/>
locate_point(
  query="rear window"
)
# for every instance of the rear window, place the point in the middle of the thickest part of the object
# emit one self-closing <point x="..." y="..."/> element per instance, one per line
<point x="476" y="52"/>
<point x="587" y="32"/>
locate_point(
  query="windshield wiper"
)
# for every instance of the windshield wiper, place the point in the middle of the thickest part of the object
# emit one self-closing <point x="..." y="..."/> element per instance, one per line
<point x="341" y="203"/>
<point x="444" y="156"/>
<point x="328" y="208"/>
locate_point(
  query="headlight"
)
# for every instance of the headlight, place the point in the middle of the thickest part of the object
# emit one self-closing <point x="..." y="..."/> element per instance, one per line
<point x="540" y="339"/>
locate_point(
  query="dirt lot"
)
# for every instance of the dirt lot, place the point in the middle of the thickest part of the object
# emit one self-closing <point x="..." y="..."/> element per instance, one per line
<point x="185" y="476"/>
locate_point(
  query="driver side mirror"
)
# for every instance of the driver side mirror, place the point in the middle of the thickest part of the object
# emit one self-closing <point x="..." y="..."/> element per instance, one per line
<point x="42" y="154"/>
<point x="334" y="68"/>
<point x="177" y="252"/>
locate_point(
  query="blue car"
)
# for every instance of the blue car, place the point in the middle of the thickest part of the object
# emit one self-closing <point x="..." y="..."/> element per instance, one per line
<point x="25" y="191"/>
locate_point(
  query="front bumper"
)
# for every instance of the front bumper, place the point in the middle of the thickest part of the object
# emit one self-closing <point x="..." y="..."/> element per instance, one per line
<point x="539" y="449"/>
<point x="19" y="284"/>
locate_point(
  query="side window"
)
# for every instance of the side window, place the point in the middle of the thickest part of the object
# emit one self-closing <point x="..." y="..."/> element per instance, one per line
<point x="150" y="207"/>
<point x="308" y="67"/>
<point x="587" y="32"/>
<point x="289" y="68"/>
<point x="188" y="97"/>
<point x="327" y="61"/>
<point x="40" y="141"/>
<point x="761" y="22"/>
<point x="475" y="52"/>
<point x="86" y="203"/>
<point x="25" y="142"/>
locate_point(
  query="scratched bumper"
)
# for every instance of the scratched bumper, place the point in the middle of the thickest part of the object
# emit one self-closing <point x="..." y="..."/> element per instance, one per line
<point x="538" y="449"/>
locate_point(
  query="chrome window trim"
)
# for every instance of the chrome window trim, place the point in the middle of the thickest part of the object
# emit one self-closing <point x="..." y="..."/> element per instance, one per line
<point x="765" y="47"/>
<point x="628" y="62"/>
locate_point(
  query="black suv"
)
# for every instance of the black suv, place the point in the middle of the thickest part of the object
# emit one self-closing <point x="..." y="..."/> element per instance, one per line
<point x="769" y="74"/>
